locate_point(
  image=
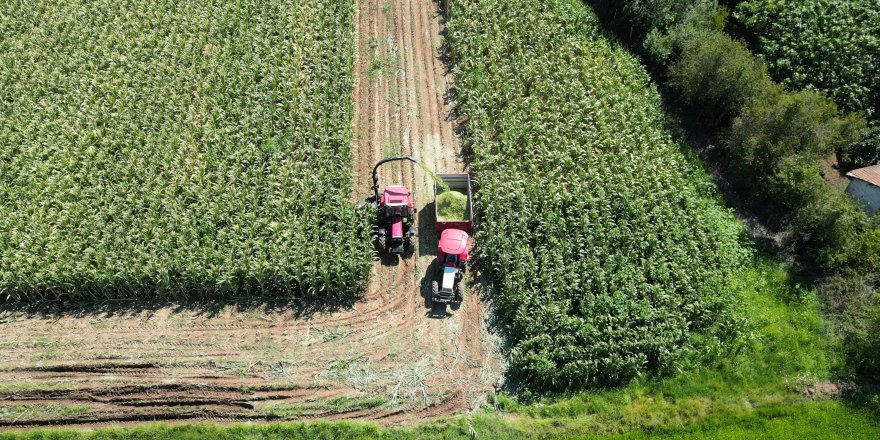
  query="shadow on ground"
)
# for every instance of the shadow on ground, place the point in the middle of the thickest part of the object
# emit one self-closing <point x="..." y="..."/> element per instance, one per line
<point x="301" y="306"/>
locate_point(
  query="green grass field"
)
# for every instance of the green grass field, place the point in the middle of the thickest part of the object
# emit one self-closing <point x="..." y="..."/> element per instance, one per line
<point x="814" y="421"/>
<point x="168" y="148"/>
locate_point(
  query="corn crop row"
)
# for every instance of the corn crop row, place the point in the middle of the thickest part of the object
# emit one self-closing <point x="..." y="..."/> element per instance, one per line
<point x="606" y="250"/>
<point x="177" y="148"/>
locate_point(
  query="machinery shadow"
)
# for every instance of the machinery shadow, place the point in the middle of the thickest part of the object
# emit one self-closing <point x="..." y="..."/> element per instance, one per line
<point x="435" y="310"/>
<point x="388" y="260"/>
<point x="300" y="306"/>
<point x="428" y="237"/>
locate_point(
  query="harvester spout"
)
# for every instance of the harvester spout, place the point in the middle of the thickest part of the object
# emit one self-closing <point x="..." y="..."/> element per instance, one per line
<point x="376" y="171"/>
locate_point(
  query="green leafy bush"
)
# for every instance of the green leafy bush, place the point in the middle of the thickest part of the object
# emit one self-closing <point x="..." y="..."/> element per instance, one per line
<point x="864" y="343"/>
<point x="170" y="148"/>
<point x="783" y="127"/>
<point x="779" y="141"/>
<point x="865" y="151"/>
<point x="715" y="76"/>
<point x="663" y="26"/>
<point x="832" y="46"/>
<point x="666" y="43"/>
<point x="856" y="304"/>
<point x="606" y="260"/>
<point x="828" y="223"/>
<point x="647" y="15"/>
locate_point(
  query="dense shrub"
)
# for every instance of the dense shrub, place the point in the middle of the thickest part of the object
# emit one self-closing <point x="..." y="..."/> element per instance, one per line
<point x="865" y="151"/>
<point x="665" y="44"/>
<point x="832" y="46"/>
<point x="715" y="76"/>
<point x="782" y="127"/>
<point x="660" y="15"/>
<point x="778" y="141"/>
<point x="827" y="223"/>
<point x="663" y="25"/>
<point x="863" y="342"/>
<point x="607" y="261"/>
<point x="863" y="257"/>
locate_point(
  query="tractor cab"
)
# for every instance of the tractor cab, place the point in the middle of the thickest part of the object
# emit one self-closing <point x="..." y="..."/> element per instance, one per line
<point x="398" y="198"/>
<point x="396" y="210"/>
<point x="453" y="246"/>
<point x="452" y="255"/>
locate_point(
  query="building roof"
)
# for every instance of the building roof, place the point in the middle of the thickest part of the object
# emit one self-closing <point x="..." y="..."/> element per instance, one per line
<point x="869" y="174"/>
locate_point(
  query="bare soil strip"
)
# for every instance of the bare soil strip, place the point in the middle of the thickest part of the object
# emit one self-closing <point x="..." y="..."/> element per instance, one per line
<point x="131" y="363"/>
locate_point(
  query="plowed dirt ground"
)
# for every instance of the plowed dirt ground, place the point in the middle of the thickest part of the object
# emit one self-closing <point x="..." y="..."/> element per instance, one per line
<point x="388" y="357"/>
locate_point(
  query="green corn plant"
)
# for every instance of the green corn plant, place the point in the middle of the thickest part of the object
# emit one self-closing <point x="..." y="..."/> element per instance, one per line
<point x="607" y="257"/>
<point x="169" y="149"/>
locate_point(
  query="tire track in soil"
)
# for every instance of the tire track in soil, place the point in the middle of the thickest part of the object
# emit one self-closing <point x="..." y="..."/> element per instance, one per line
<point x="422" y="130"/>
<point x="225" y="365"/>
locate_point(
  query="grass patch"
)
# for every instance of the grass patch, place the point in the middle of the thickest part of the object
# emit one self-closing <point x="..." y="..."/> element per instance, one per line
<point x="333" y="406"/>
<point x="36" y="412"/>
<point x="21" y="386"/>
<point x="827" y="420"/>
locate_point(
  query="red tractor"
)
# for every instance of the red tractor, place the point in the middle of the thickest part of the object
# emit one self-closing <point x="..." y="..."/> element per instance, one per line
<point x="452" y="254"/>
<point x="395" y="215"/>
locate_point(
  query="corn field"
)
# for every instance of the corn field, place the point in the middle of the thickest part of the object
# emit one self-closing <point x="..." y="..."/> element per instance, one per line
<point x="606" y="248"/>
<point x="174" y="148"/>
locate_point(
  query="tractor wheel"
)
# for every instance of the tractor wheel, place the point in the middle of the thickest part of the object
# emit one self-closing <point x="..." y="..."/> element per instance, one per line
<point x="457" y="290"/>
<point x="435" y="291"/>
<point x="380" y="243"/>
<point x="411" y="244"/>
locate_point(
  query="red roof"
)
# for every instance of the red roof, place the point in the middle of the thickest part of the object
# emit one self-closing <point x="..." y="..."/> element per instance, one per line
<point x="869" y="174"/>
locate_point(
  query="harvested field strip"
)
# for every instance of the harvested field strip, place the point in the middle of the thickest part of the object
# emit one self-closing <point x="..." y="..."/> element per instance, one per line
<point x="199" y="403"/>
<point x="211" y="415"/>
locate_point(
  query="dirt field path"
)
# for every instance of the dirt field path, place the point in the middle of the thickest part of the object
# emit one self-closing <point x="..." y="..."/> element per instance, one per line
<point x="386" y="358"/>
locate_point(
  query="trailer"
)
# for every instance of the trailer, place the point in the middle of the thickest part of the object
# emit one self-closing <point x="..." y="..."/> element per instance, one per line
<point x="461" y="183"/>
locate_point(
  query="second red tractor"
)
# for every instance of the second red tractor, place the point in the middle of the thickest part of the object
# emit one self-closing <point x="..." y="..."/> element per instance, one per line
<point x="452" y="254"/>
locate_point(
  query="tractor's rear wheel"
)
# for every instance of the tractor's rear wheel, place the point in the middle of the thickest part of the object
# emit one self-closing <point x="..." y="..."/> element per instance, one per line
<point x="435" y="291"/>
<point x="381" y="243"/>
<point x="411" y="244"/>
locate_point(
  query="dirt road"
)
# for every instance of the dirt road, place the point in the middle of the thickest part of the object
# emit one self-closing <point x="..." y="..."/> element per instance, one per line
<point x="384" y="358"/>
